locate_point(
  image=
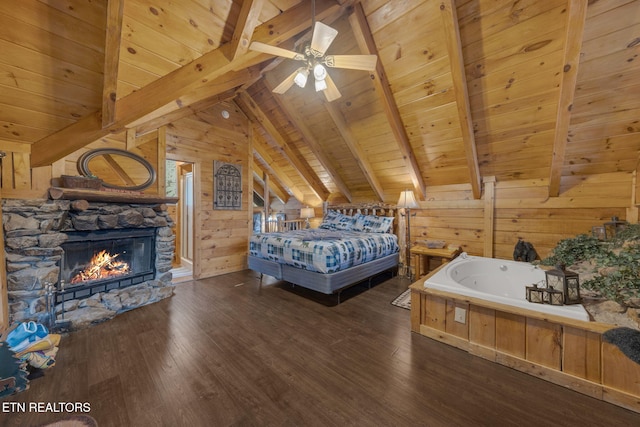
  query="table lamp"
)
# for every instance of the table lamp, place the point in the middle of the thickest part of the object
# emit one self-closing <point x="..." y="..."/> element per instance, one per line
<point x="407" y="201"/>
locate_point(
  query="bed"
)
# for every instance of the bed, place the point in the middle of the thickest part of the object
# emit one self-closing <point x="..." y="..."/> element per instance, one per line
<point x="350" y="246"/>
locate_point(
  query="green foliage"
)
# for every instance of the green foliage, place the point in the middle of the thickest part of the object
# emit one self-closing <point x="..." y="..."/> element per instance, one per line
<point x="569" y="251"/>
<point x="617" y="262"/>
<point x="629" y="234"/>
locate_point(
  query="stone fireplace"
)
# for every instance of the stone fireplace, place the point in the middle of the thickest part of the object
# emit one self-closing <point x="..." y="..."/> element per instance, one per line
<point x="100" y="261"/>
<point x="85" y="262"/>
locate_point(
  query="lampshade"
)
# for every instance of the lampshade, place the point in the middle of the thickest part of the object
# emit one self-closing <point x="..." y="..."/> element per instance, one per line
<point x="407" y="200"/>
<point x="307" y="213"/>
<point x="301" y="77"/>
<point x="320" y="85"/>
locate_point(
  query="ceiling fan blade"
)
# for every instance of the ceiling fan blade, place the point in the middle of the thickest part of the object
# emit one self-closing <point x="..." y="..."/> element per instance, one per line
<point x="286" y="84"/>
<point x="352" y="62"/>
<point x="277" y="51"/>
<point x="322" y="37"/>
<point x="331" y="92"/>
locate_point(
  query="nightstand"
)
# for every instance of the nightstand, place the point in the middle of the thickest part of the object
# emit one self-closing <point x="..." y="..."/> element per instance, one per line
<point x="423" y="255"/>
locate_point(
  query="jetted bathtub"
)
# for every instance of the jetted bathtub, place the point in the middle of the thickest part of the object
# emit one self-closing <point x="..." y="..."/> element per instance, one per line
<point x="499" y="281"/>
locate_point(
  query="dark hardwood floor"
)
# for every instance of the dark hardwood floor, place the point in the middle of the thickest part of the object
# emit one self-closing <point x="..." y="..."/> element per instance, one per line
<point x="227" y="352"/>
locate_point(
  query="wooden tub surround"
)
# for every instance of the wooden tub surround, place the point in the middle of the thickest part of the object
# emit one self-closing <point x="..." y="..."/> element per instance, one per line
<point x="567" y="352"/>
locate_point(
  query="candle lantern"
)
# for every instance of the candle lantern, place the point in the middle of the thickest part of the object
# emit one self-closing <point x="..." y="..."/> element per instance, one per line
<point x="535" y="294"/>
<point x="613" y="227"/>
<point x="565" y="281"/>
<point x="553" y="296"/>
<point x="598" y="232"/>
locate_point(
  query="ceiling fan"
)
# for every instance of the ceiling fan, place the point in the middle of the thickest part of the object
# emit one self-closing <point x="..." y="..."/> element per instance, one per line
<point x="316" y="62"/>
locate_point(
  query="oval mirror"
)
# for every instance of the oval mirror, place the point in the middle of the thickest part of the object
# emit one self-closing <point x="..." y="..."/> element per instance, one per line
<point x="118" y="169"/>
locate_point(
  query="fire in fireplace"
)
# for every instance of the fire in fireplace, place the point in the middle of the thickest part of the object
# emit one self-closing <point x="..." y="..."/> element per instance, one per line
<point x="102" y="266"/>
<point x="99" y="261"/>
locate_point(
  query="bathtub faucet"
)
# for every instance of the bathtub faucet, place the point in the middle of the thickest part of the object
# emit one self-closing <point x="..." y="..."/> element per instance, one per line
<point x="464" y="255"/>
<point x="503" y="267"/>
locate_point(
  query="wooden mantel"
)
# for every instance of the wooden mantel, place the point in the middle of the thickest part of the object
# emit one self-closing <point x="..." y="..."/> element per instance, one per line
<point x="107" y="196"/>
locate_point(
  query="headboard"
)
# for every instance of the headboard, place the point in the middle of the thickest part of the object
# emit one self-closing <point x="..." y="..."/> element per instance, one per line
<point x="379" y="209"/>
<point x="365" y="209"/>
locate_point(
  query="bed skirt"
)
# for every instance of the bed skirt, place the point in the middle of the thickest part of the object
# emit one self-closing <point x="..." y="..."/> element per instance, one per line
<point x="327" y="283"/>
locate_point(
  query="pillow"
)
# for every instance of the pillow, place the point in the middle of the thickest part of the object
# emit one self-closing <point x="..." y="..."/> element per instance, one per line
<point x="336" y="221"/>
<point x="373" y="224"/>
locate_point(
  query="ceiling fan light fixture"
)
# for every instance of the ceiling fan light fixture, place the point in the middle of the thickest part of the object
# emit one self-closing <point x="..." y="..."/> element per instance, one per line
<point x="320" y="85"/>
<point x="301" y="77"/>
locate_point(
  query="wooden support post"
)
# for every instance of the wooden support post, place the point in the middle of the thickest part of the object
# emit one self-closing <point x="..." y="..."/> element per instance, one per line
<point x="489" y="212"/>
<point x="266" y="197"/>
<point x="632" y="210"/>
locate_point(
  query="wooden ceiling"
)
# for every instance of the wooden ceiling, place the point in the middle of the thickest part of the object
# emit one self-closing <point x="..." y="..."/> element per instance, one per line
<point x="464" y="89"/>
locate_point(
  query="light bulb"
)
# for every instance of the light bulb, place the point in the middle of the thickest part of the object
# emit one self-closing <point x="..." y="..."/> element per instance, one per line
<point x="319" y="72"/>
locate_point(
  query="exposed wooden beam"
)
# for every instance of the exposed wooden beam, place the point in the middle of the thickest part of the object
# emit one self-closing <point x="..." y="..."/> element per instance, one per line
<point x="576" y="17"/>
<point x="209" y="93"/>
<point x="151" y="126"/>
<point x="268" y="183"/>
<point x="246" y="23"/>
<point x="134" y="140"/>
<point x="276" y="171"/>
<point x="367" y="45"/>
<point x="454" y="50"/>
<point x="115" y="12"/>
<point x="164" y="90"/>
<point x="298" y="122"/>
<point x="358" y="153"/>
<point x="252" y="110"/>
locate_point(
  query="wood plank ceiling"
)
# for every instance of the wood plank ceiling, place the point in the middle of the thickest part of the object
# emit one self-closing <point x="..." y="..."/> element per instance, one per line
<point x="463" y="90"/>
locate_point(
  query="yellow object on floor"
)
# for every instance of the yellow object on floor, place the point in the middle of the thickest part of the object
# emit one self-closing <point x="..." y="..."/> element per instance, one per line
<point x="47" y="343"/>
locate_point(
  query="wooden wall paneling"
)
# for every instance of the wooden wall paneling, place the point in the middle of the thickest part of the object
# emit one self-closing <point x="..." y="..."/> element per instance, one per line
<point x="220" y="236"/>
<point x="41" y="178"/>
<point x="7" y="172"/>
<point x="511" y="334"/>
<point x="543" y="343"/>
<point x="435" y="312"/>
<point x="581" y="354"/>
<point x="21" y="171"/>
<point x="619" y="371"/>
<point x="453" y="327"/>
<point x="482" y="326"/>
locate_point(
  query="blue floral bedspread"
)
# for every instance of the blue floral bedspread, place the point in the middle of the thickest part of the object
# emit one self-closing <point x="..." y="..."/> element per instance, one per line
<point x="324" y="251"/>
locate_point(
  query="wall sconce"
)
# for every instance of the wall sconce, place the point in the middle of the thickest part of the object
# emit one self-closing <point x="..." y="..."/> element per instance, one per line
<point x="407" y="201"/>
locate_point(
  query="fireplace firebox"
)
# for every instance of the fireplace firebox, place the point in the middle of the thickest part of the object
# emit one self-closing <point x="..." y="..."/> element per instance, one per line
<point x="99" y="261"/>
